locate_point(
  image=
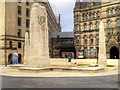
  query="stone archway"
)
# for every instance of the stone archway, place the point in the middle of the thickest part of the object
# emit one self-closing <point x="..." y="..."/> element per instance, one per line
<point x="114" y="53"/>
<point x="10" y="59"/>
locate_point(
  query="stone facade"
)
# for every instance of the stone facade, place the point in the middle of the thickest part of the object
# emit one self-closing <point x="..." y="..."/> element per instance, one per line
<point x="87" y="16"/>
<point x="14" y="22"/>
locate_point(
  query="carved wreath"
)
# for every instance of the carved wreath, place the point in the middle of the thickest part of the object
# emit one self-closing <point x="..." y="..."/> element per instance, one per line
<point x="41" y="20"/>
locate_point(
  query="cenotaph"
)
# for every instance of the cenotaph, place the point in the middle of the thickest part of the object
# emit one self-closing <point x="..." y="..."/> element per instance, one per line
<point x="102" y="62"/>
<point x="37" y="46"/>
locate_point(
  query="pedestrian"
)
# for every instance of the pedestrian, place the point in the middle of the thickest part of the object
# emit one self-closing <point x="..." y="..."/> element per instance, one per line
<point x="69" y="59"/>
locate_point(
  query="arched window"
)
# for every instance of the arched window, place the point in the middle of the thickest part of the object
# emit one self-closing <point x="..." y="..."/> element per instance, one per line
<point x="86" y="52"/>
<point x="118" y="22"/>
<point x="85" y="40"/>
<point x="77" y="27"/>
<point x="91" y="52"/>
<point x="91" y="39"/>
<point x="91" y="16"/>
<point x="97" y="39"/>
<point x="108" y="24"/>
<point x="98" y="14"/>
<point x="113" y="11"/>
<point x="85" y="26"/>
<point x="109" y="12"/>
<point x="10" y="44"/>
<point x="94" y="14"/>
<point x="97" y="25"/>
<point x="91" y="26"/>
<point x="19" y="33"/>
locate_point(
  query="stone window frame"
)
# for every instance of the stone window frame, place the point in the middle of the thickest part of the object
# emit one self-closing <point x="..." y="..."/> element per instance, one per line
<point x="19" y="33"/>
<point x="27" y="2"/>
<point x="108" y="12"/>
<point x="19" y="21"/>
<point x="98" y="14"/>
<point x="114" y="12"/>
<point x="91" y="39"/>
<point x="85" y="39"/>
<point x="91" y="15"/>
<point x="10" y="44"/>
<point x="86" y="51"/>
<point x="91" y="49"/>
<point x="118" y="10"/>
<point x="77" y="27"/>
<point x="97" y="38"/>
<point x="118" y="22"/>
<point x="109" y="23"/>
<point x="27" y="12"/>
<point x="19" y="10"/>
<point x="94" y="14"/>
<point x="27" y="23"/>
<point x="91" y="26"/>
<point x="85" y="26"/>
<point x="97" y="25"/>
<point x="19" y="45"/>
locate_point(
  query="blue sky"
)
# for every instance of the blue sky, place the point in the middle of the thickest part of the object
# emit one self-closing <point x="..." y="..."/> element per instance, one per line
<point x="65" y="8"/>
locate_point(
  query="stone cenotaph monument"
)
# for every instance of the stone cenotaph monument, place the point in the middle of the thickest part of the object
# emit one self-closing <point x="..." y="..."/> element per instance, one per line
<point x="37" y="46"/>
<point x="102" y="62"/>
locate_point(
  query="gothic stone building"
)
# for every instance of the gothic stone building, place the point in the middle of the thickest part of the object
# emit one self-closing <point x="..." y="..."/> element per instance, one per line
<point x="87" y="16"/>
<point x="14" y="22"/>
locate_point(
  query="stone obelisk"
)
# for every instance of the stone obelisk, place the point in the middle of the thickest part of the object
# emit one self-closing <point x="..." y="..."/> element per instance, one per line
<point x="102" y="62"/>
<point x="26" y="48"/>
<point x="38" y="53"/>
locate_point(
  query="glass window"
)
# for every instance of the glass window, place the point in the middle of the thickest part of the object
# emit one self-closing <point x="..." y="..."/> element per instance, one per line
<point x="19" y="45"/>
<point x="94" y="14"/>
<point x="85" y="39"/>
<point x="86" y="52"/>
<point x="27" y="2"/>
<point x="91" y="16"/>
<point x="19" y="33"/>
<point x="118" y="22"/>
<point x="91" y="52"/>
<point x="19" y="21"/>
<point x="91" y="26"/>
<point x="85" y="26"/>
<point x="27" y="23"/>
<point x="10" y="44"/>
<point x="27" y="12"/>
<point x="98" y="14"/>
<point x="91" y="39"/>
<point x="109" y="12"/>
<point x="19" y="10"/>
<point x="97" y="25"/>
<point x="77" y="27"/>
<point x="109" y="22"/>
<point x="113" y="11"/>
<point x="97" y="39"/>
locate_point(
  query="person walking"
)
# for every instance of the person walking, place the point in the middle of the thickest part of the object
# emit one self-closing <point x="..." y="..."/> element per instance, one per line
<point x="69" y="59"/>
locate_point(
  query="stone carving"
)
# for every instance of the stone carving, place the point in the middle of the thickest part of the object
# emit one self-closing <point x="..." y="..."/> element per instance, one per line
<point x="38" y="53"/>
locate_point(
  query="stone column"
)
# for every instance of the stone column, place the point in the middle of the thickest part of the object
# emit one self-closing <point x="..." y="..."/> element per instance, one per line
<point x="102" y="62"/>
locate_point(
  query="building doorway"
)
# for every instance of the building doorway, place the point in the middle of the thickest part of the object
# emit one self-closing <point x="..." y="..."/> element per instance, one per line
<point x="10" y="59"/>
<point x="114" y="53"/>
<point x="19" y="58"/>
